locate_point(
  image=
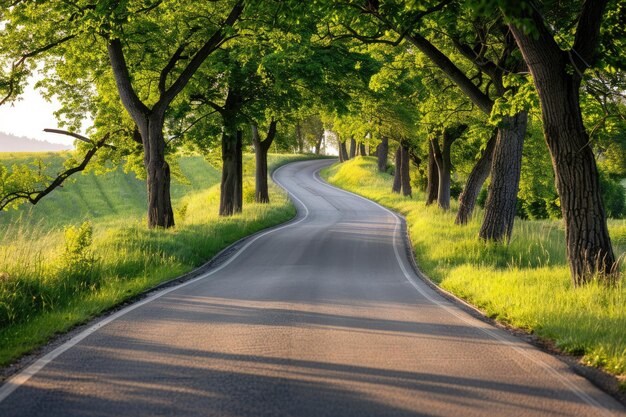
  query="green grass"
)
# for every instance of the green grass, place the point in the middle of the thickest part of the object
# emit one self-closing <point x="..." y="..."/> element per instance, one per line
<point x="44" y="290"/>
<point x="525" y="284"/>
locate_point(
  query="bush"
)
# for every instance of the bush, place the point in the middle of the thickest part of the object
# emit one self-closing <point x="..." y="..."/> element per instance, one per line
<point x="613" y="196"/>
<point x="456" y="188"/>
<point x="78" y="258"/>
<point x="482" y="197"/>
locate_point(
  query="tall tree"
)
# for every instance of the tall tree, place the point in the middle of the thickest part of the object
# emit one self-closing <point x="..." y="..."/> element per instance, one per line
<point x="407" y="23"/>
<point x="441" y="154"/>
<point x="153" y="50"/>
<point x="261" y="146"/>
<point x="558" y="74"/>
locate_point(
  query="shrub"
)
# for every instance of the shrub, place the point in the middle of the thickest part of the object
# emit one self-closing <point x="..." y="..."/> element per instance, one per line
<point x="78" y="258"/>
<point x="613" y="196"/>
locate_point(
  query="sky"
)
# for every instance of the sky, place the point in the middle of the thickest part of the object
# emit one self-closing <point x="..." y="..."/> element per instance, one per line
<point x="30" y="115"/>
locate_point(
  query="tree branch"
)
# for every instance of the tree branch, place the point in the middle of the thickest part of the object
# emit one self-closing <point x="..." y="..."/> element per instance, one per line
<point x="77" y="136"/>
<point x="452" y="71"/>
<point x="132" y="103"/>
<point x="33" y="196"/>
<point x="209" y="47"/>
<point x="588" y="33"/>
<point x="177" y="56"/>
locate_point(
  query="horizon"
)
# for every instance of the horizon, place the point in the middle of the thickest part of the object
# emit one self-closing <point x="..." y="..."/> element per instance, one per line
<point x="17" y="119"/>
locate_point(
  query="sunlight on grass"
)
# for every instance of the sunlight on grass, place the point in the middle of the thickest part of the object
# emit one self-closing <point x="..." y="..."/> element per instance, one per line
<point x="526" y="284"/>
<point x="44" y="291"/>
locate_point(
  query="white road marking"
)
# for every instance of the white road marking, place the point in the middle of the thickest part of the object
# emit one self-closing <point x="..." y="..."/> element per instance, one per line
<point x="547" y="367"/>
<point x="22" y="377"/>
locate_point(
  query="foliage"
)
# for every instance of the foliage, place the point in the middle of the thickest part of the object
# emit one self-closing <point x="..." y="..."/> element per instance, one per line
<point x="78" y="257"/>
<point x="614" y="197"/>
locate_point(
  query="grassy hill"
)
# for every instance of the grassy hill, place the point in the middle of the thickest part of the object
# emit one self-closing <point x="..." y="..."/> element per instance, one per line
<point x="106" y="198"/>
<point x="55" y="273"/>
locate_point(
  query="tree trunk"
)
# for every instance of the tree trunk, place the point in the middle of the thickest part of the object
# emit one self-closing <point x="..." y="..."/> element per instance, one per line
<point x="506" y="166"/>
<point x="443" y="174"/>
<point x="230" y="170"/>
<point x="261" y="147"/>
<point x="299" y="138"/>
<point x="589" y="249"/>
<point x="362" y="150"/>
<point x="432" y="189"/>
<point x="352" y="147"/>
<point x="318" y="144"/>
<point x="239" y="172"/>
<point x="397" y="172"/>
<point x="475" y="181"/>
<point x="343" y="152"/>
<point x="382" y="153"/>
<point x="261" y="192"/>
<point x="160" y="213"/>
<point x="405" y="171"/>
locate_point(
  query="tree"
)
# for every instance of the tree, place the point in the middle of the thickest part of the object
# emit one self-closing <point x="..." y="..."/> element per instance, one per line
<point x="150" y="119"/>
<point x="557" y="75"/>
<point x="441" y="156"/>
<point x="261" y="193"/>
<point x="382" y="153"/>
<point x="153" y="50"/>
<point x="406" y="22"/>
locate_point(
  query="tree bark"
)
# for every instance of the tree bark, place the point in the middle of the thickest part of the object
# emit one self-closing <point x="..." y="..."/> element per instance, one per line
<point x="299" y="138"/>
<point x="475" y="181"/>
<point x="432" y="189"/>
<point x="343" y="152"/>
<point x="397" y="172"/>
<point x="444" y="164"/>
<point x="239" y="178"/>
<point x="589" y="248"/>
<point x="362" y="150"/>
<point x="230" y="186"/>
<point x="382" y="153"/>
<point x="443" y="174"/>
<point x="352" y="147"/>
<point x="405" y="171"/>
<point x="261" y="147"/>
<point x="318" y="144"/>
<point x="501" y="202"/>
<point x="160" y="213"/>
<point x="150" y="125"/>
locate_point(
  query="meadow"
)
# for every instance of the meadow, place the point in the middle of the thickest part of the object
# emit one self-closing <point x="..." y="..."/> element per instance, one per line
<point x="526" y="284"/>
<point x="85" y="248"/>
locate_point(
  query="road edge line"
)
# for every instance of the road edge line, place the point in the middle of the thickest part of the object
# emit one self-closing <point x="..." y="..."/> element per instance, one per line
<point x="401" y="224"/>
<point x="22" y="376"/>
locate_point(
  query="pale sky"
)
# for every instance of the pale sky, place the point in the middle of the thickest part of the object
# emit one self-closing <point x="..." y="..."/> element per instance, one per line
<point x="30" y="115"/>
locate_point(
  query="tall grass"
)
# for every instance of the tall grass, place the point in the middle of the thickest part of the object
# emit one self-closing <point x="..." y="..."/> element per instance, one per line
<point x="52" y="277"/>
<point x="526" y="284"/>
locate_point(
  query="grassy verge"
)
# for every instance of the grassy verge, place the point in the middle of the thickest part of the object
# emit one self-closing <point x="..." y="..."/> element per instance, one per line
<point x="55" y="274"/>
<point x="525" y="284"/>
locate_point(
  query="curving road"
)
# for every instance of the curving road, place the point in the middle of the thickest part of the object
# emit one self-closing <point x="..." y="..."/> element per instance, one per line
<point x="321" y="317"/>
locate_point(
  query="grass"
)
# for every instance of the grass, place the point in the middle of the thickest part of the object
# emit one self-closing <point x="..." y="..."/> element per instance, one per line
<point x="525" y="284"/>
<point x="55" y="274"/>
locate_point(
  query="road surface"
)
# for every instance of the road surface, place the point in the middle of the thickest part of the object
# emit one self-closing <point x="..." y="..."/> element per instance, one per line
<point x="322" y="317"/>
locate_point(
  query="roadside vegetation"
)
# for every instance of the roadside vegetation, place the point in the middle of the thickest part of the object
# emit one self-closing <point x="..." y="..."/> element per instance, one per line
<point x="85" y="249"/>
<point x="526" y="284"/>
<point x="500" y="112"/>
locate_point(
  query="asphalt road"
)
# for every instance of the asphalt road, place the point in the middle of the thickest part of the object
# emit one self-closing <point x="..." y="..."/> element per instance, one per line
<point x="322" y="317"/>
